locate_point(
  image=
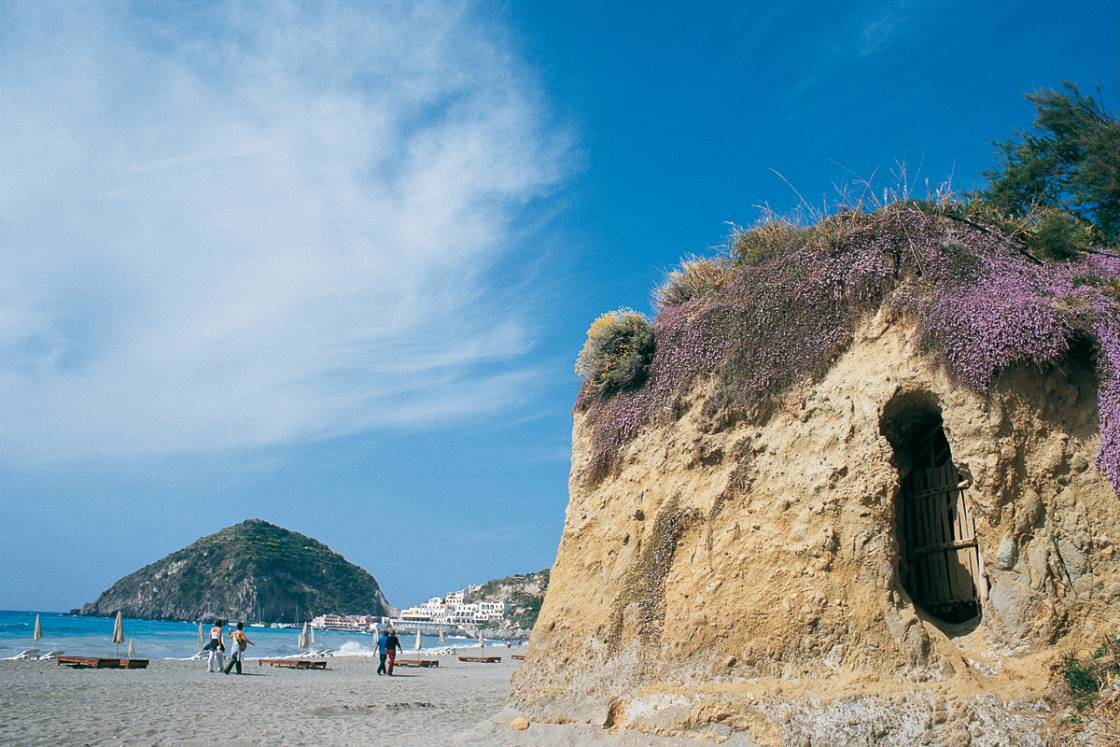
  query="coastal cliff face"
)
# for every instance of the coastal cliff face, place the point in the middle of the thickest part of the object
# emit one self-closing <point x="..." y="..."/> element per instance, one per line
<point x="250" y="571"/>
<point x="748" y="578"/>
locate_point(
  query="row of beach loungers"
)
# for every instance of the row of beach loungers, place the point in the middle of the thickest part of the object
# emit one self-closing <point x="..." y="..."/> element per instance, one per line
<point x="98" y="662"/>
<point x="33" y="654"/>
<point x="95" y="662"/>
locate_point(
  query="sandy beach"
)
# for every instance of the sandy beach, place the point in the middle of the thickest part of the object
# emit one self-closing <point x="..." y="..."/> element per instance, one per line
<point x="177" y="702"/>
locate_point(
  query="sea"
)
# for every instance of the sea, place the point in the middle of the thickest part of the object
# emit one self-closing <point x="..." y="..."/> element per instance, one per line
<point x="162" y="639"/>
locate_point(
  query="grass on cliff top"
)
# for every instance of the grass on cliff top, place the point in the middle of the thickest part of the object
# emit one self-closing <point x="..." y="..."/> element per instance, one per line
<point x="784" y="305"/>
<point x="1012" y="275"/>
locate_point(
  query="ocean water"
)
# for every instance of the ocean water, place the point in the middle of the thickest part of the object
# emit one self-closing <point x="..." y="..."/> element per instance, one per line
<point x="158" y="639"/>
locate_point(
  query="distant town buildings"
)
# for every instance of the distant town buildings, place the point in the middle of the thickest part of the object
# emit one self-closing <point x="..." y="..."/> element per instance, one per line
<point x="456" y="608"/>
<point x="346" y="623"/>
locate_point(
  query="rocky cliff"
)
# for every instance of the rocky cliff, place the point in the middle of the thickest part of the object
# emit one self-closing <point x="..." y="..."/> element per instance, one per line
<point x="739" y="566"/>
<point x="250" y="571"/>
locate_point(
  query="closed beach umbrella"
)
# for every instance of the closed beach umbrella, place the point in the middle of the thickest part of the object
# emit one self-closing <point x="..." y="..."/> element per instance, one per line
<point x="131" y="649"/>
<point x="303" y="637"/>
<point x="481" y="640"/>
<point x="311" y="636"/>
<point x="118" y="632"/>
<point x="418" y="639"/>
<point x="441" y="640"/>
<point x="201" y="639"/>
<point x="38" y="634"/>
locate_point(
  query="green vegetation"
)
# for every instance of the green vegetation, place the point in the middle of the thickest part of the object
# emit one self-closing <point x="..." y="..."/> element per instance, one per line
<point x="1093" y="687"/>
<point x="771" y="237"/>
<point x="1046" y="234"/>
<point x="1088" y="678"/>
<point x="775" y="236"/>
<point x="524" y="592"/>
<point x="1055" y="190"/>
<point x="696" y="278"/>
<point x="1065" y="172"/>
<point x="524" y="609"/>
<point x="248" y="571"/>
<point x="617" y="352"/>
<point x="1006" y="276"/>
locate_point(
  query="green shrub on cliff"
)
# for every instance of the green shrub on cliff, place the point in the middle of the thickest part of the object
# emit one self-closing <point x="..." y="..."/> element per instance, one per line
<point x="1087" y="678"/>
<point x="773" y="236"/>
<point x="696" y="278"/>
<point x="617" y="352"/>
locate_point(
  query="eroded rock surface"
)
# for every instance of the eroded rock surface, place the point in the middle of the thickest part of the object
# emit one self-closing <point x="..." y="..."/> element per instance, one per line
<point x="743" y="580"/>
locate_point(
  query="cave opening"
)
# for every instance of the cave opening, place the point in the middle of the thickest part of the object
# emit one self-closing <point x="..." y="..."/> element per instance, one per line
<point x="939" y="561"/>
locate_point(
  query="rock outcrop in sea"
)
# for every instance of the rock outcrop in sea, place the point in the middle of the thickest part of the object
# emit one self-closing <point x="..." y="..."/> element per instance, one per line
<point x="864" y="492"/>
<point x="250" y="571"/>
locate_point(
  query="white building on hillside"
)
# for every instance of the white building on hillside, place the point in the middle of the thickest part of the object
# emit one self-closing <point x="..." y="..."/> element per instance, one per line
<point x="455" y="610"/>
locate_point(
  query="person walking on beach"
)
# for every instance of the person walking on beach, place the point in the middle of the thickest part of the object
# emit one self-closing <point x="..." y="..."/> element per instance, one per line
<point x="393" y="644"/>
<point x="240" y="643"/>
<point x="216" y="646"/>
<point x="382" y="649"/>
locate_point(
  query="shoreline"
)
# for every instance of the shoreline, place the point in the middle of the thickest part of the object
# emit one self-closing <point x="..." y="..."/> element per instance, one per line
<point x="163" y="640"/>
<point x="343" y="653"/>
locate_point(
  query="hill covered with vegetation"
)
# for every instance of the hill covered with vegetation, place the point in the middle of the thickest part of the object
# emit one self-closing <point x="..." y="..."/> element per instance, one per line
<point x="251" y="571"/>
<point x="523" y="592"/>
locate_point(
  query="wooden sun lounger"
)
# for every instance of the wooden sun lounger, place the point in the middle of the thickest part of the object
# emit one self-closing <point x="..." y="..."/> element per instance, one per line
<point x="416" y="663"/>
<point x="482" y="659"/>
<point x="519" y="657"/>
<point x="95" y="662"/>
<point x="294" y="663"/>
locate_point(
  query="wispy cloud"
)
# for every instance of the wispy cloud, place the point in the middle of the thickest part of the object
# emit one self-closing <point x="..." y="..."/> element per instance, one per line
<point x="886" y="24"/>
<point x="244" y="228"/>
<point x="854" y="35"/>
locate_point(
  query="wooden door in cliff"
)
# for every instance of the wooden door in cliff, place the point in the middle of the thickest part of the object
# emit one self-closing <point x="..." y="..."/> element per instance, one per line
<point x="943" y="561"/>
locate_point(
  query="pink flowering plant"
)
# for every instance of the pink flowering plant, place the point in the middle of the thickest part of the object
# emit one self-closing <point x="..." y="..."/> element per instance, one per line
<point x="981" y="302"/>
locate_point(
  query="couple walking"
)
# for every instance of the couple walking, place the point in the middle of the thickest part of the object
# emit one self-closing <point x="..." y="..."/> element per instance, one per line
<point x="388" y="645"/>
<point x="217" y="647"/>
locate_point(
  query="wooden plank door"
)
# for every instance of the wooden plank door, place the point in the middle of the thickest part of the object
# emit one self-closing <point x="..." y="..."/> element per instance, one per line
<point x="940" y="532"/>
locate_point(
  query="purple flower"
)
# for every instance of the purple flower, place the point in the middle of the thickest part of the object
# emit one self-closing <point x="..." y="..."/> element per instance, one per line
<point x="979" y="303"/>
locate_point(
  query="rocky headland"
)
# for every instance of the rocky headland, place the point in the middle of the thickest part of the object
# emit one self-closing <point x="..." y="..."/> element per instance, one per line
<point x="250" y="571"/>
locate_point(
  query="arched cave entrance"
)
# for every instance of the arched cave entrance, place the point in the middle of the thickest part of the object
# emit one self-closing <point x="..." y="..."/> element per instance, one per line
<point x="939" y="560"/>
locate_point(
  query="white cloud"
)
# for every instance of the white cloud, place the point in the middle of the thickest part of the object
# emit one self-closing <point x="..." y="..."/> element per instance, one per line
<point x="887" y="23"/>
<point x="243" y="229"/>
<point x="858" y="39"/>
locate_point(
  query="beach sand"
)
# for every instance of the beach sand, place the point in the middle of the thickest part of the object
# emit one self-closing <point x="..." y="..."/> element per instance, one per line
<point x="177" y="702"/>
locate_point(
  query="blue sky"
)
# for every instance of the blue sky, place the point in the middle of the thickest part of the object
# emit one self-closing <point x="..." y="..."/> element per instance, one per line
<point x="330" y="265"/>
